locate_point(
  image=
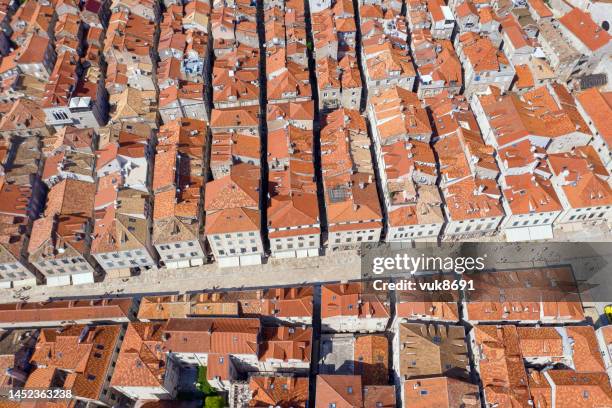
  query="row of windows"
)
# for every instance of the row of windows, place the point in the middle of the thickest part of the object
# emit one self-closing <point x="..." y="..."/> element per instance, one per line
<point x="233" y="251"/>
<point x="584" y="216"/>
<point x="71" y="269"/>
<point x="132" y="262"/>
<point x="478" y="227"/>
<point x="63" y="261"/>
<point x="60" y="115"/>
<point x="176" y="245"/>
<point x="116" y="255"/>
<point x="411" y="227"/>
<point x="239" y="235"/>
<point x="350" y="239"/>
<point x="534" y="222"/>
<point x="311" y="244"/>
<point x="413" y="234"/>
<point x="182" y="255"/>
<point x="9" y="266"/>
<point x="13" y="275"/>
<point x="298" y="238"/>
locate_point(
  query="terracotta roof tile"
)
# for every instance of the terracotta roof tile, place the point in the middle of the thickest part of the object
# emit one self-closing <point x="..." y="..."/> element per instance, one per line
<point x="581" y="24"/>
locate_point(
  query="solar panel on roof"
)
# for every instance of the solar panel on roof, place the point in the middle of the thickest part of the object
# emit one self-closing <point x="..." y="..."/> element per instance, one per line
<point x="592" y="81"/>
<point x="338" y="194"/>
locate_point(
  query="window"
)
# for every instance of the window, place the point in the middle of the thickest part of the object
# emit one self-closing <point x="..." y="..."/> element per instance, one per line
<point x="60" y="115"/>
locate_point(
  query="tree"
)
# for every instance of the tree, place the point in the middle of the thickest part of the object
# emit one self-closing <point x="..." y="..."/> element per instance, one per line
<point x="214" y="402"/>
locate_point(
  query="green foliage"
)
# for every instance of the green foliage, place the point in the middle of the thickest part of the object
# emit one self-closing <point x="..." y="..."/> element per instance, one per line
<point x="214" y="402"/>
<point x="203" y="384"/>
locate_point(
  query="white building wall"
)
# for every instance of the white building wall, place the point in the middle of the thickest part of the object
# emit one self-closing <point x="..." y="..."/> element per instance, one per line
<point x="59" y="272"/>
<point x="245" y="248"/>
<point x="296" y="246"/>
<point x="522" y="225"/>
<point x="124" y="259"/>
<point x="181" y="254"/>
<point x="353" y="237"/>
<point x="276" y="365"/>
<point x="413" y="232"/>
<point x="472" y="227"/>
<point x="586" y="214"/>
<point x="15" y="275"/>
<point x="354" y="324"/>
<point x="351" y="98"/>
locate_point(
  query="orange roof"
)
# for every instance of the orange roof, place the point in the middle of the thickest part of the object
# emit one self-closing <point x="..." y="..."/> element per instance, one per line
<point x="585" y="350"/>
<point x="398" y="113"/>
<point x="541" y="296"/>
<point x="541" y="8"/>
<point x="598" y="105"/>
<point x="84" y="353"/>
<point x="384" y="60"/>
<point x="540" y="342"/>
<point x="502" y="370"/>
<point x="371" y="357"/>
<point x="524" y="76"/>
<point x="24" y="112"/>
<point x="141" y="362"/>
<point x="349" y="299"/>
<point x="41" y="313"/>
<point x="528" y="193"/>
<point x="285" y="343"/>
<point x="227" y="147"/>
<point x="585" y="29"/>
<point x="516" y="35"/>
<point x="483" y="55"/>
<point x="33" y="50"/>
<point x="348" y="176"/>
<point x="208" y="335"/>
<point x="237" y="190"/>
<point x="278" y="391"/>
<point x="303" y="111"/>
<point x="293" y="193"/>
<point x="473" y="198"/>
<point x="233" y="220"/>
<point x="235" y="118"/>
<point x="580" y="390"/>
<point x="289" y="302"/>
<point x="582" y="177"/>
<point x="440" y="392"/>
<point x="344" y="391"/>
<point x="465" y="9"/>
<point x="535" y="113"/>
<point x="71" y="197"/>
<point x="413" y="304"/>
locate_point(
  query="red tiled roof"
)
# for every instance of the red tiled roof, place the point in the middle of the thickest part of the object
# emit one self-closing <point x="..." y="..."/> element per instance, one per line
<point x="585" y="29"/>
